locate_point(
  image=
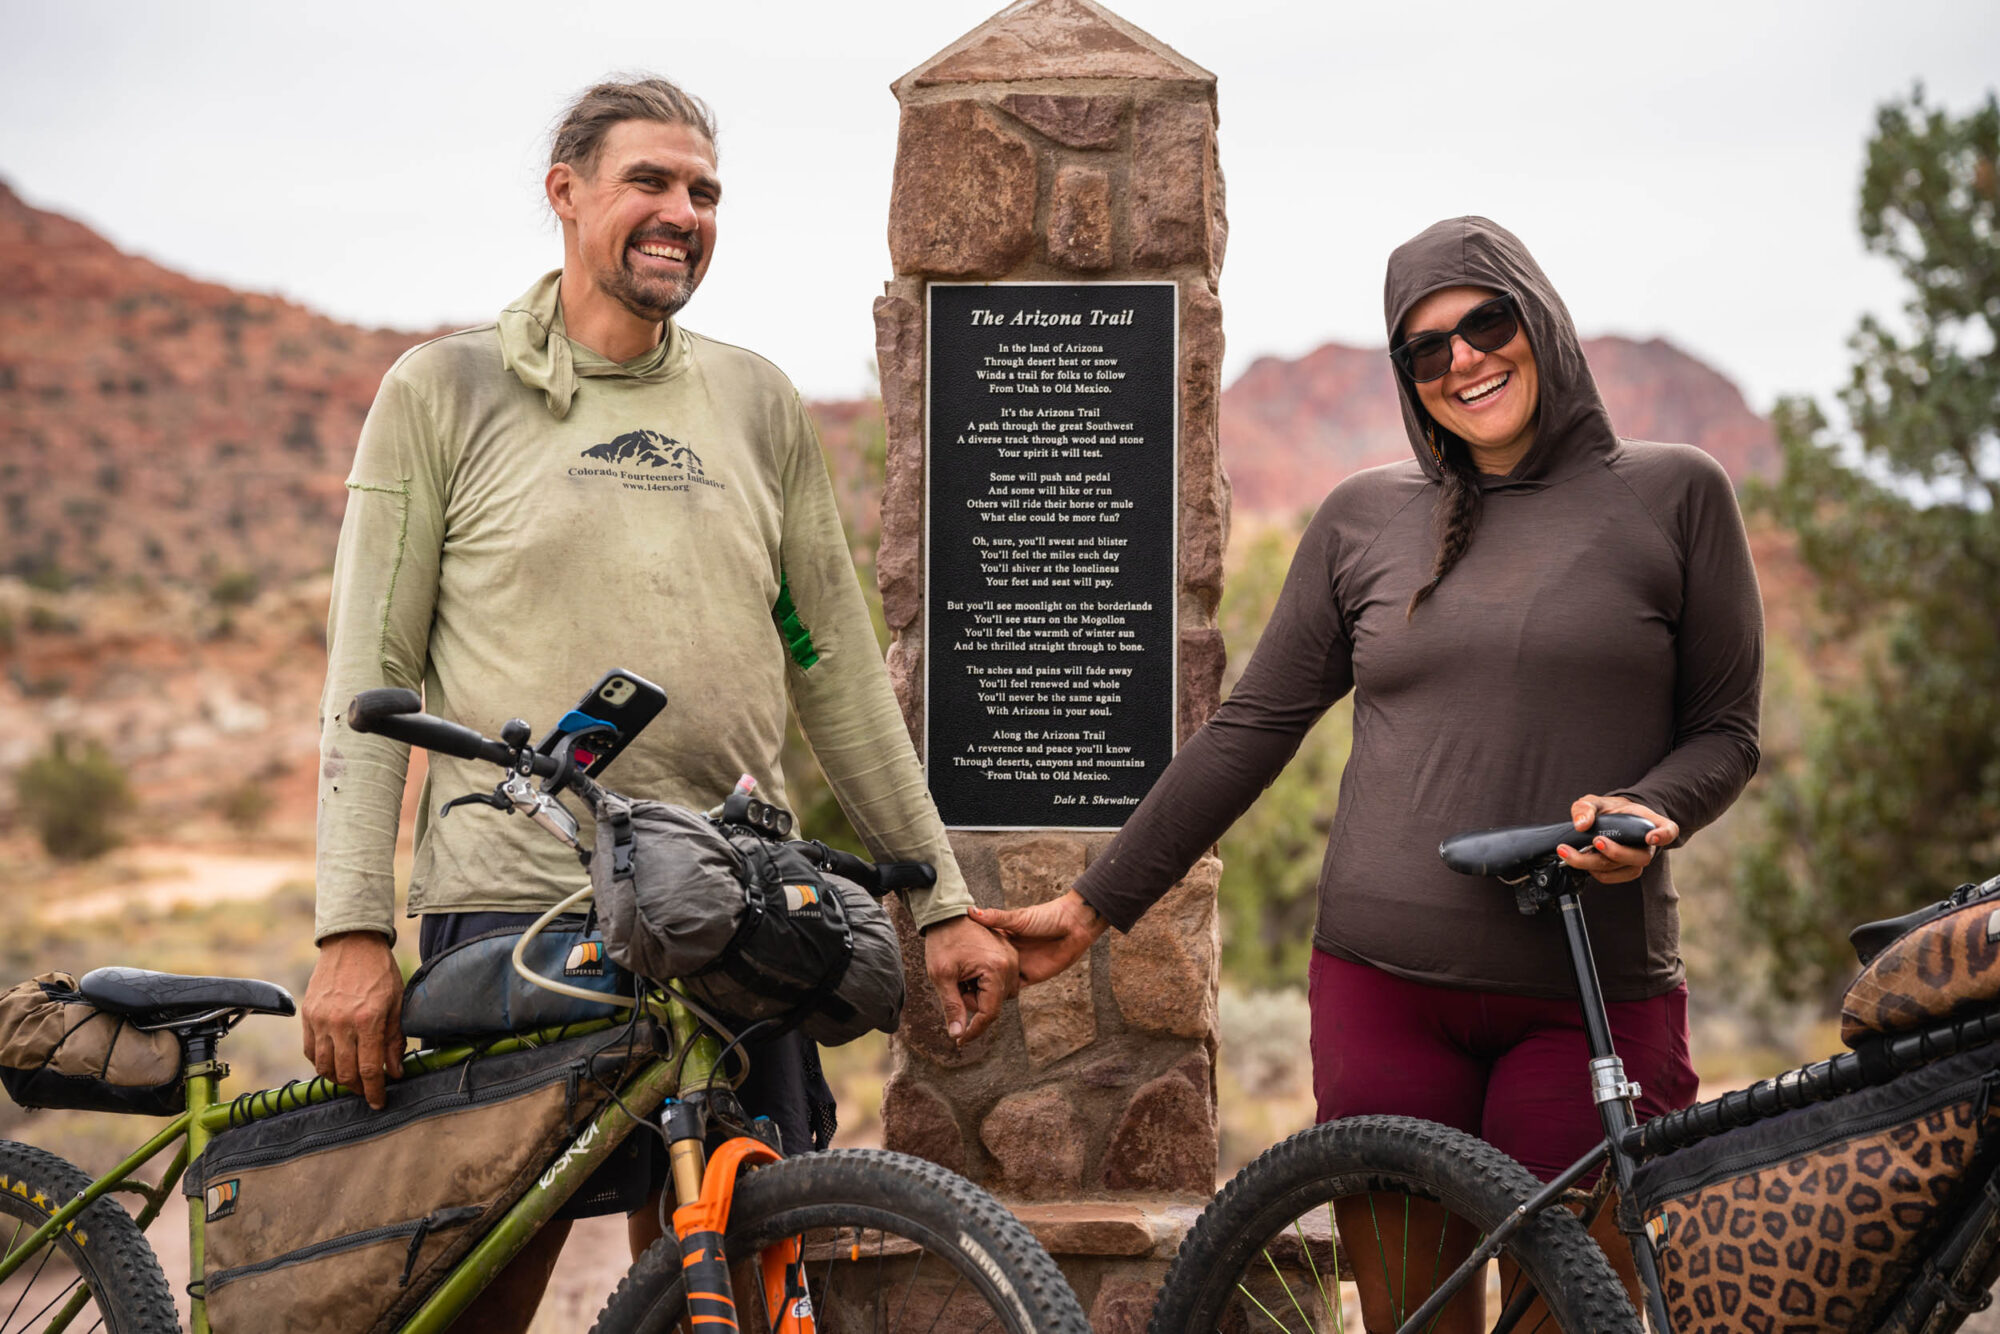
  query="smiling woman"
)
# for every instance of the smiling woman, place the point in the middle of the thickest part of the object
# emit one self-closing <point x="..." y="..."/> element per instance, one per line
<point x="1534" y="616"/>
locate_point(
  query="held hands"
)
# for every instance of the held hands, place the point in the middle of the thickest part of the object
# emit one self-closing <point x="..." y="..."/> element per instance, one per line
<point x="352" y="1014"/>
<point x="1614" y="863"/>
<point x="969" y="964"/>
<point x="1049" y="937"/>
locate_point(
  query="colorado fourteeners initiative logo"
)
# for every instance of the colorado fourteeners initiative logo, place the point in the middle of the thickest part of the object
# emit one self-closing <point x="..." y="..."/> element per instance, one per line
<point x="647" y="461"/>
<point x="647" y="447"/>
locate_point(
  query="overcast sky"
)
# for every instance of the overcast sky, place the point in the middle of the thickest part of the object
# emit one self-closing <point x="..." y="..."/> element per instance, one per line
<point x="1682" y="169"/>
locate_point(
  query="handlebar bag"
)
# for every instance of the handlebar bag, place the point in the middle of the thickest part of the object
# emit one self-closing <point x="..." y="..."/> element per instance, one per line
<point x="1816" y="1219"/>
<point x="472" y="991"/>
<point x="744" y="923"/>
<point x="336" y="1218"/>
<point x="58" y="1050"/>
<point x="1947" y="962"/>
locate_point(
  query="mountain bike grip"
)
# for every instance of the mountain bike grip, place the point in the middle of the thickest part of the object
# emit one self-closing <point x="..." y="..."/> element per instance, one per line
<point x="398" y="714"/>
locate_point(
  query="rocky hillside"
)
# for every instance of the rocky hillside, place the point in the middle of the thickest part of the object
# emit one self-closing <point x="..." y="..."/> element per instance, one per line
<point x="1292" y="429"/>
<point x="151" y="424"/>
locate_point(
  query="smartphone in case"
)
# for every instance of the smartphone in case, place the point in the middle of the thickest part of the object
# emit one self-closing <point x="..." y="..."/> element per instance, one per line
<point x="625" y="700"/>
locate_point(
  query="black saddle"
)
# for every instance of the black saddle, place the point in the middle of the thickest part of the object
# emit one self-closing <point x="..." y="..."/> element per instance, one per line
<point x="163" y="998"/>
<point x="1510" y="854"/>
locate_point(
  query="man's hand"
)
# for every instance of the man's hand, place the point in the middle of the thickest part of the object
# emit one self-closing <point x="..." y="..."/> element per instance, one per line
<point x="1614" y="863"/>
<point x="965" y="962"/>
<point x="353" y="1013"/>
<point x="1049" y="936"/>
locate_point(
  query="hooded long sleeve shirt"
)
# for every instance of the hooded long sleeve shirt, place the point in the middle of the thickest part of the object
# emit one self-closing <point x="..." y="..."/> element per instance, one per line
<point x="524" y="514"/>
<point x="1602" y="634"/>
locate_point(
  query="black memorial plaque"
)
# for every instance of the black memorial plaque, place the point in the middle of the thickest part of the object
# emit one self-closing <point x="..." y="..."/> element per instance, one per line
<point x="1053" y="463"/>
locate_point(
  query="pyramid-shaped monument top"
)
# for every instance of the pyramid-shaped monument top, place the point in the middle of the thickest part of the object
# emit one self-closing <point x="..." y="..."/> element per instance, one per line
<point x="1054" y="39"/>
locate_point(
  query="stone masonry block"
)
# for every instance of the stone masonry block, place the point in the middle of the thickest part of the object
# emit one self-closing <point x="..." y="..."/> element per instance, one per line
<point x="1056" y="39"/>
<point x="1037" y="1139"/>
<point x="917" y="1121"/>
<point x="1203" y="658"/>
<point x="1074" y="122"/>
<point x="899" y="355"/>
<point x="906" y="677"/>
<point x="963" y="204"/>
<point x="1035" y="870"/>
<point x="1172" y="180"/>
<point x="1124" y="1305"/>
<point x="1165" y="1139"/>
<point x="1163" y="970"/>
<point x="1080" y="220"/>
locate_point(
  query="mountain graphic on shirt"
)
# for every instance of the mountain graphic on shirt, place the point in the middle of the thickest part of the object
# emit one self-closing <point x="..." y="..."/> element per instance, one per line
<point x="648" y="447"/>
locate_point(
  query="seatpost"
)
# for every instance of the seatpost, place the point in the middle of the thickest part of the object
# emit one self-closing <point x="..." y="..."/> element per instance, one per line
<point x="1613" y="1093"/>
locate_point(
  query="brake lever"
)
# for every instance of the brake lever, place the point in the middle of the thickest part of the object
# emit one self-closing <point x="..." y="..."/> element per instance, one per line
<point x="493" y="799"/>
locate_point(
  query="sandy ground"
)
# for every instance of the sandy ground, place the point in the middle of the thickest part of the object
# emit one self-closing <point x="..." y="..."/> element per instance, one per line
<point x="162" y="877"/>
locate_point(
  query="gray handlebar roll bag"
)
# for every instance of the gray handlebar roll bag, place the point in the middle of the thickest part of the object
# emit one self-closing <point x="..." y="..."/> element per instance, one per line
<point x="745" y="924"/>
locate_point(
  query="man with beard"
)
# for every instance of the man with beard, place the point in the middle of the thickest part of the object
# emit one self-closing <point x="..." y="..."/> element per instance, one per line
<point x="585" y="482"/>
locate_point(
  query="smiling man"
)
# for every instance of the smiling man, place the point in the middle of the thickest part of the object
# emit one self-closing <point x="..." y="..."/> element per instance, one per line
<point x="585" y="483"/>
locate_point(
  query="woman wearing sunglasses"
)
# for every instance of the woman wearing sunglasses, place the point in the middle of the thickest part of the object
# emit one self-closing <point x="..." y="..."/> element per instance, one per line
<point x="1534" y="616"/>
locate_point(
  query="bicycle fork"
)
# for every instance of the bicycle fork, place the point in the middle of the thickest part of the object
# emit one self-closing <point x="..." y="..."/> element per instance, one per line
<point x="703" y="1194"/>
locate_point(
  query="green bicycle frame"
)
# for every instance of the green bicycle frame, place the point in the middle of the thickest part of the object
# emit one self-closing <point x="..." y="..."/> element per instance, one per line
<point x="643" y="1093"/>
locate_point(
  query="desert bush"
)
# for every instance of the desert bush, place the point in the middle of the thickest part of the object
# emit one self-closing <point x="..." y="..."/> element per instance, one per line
<point x="74" y="799"/>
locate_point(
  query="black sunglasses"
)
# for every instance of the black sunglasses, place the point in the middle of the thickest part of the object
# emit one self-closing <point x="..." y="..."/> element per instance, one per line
<point x="1488" y="326"/>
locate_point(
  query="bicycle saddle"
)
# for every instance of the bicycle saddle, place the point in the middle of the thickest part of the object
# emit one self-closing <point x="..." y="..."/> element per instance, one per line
<point x="1512" y="853"/>
<point x="140" y="994"/>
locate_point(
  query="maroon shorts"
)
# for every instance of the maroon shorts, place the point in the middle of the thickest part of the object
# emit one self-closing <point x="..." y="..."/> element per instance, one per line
<point x="1513" y="1070"/>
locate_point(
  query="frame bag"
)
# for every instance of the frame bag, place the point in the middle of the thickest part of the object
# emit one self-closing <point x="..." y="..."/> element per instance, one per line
<point x="1815" y="1219"/>
<point x="58" y="1050"/>
<point x="744" y="923"/>
<point x="336" y="1218"/>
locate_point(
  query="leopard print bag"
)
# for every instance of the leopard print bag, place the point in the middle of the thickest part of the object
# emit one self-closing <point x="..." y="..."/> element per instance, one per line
<point x="1940" y="966"/>
<point x="1816" y="1219"/>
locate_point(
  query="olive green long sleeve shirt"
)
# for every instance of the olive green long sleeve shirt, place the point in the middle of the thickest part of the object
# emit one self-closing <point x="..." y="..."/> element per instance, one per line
<point x="522" y="515"/>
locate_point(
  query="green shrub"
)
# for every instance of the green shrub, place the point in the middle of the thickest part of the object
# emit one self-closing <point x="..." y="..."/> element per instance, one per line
<point x="74" y="801"/>
<point x="235" y="589"/>
<point x="246" y="805"/>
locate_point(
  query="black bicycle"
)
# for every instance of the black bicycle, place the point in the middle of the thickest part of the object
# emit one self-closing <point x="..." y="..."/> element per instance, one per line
<point x="1878" y="1209"/>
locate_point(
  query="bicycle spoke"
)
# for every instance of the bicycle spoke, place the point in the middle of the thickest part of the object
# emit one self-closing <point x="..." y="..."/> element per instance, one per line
<point x="50" y="1304"/>
<point x="48" y="1250"/>
<point x="1298" y="1227"/>
<point x="1287" y="1287"/>
<point x="946" y="1305"/>
<point x="1403" y="1291"/>
<point x="908" y="1288"/>
<point x="1339" y="1310"/>
<point x="1437" y="1266"/>
<point x="1252" y="1298"/>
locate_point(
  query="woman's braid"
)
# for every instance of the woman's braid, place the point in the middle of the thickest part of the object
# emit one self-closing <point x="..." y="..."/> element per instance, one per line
<point x="1460" y="505"/>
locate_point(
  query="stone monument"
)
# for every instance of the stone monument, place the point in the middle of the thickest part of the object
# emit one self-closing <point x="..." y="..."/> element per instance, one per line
<point x="1053" y="522"/>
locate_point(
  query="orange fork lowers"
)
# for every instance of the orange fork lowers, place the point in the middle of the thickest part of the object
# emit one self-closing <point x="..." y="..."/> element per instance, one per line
<point x="699" y="1224"/>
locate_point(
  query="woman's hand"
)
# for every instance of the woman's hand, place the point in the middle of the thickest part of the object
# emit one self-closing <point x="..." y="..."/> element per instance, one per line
<point x="1049" y="937"/>
<point x="1613" y="863"/>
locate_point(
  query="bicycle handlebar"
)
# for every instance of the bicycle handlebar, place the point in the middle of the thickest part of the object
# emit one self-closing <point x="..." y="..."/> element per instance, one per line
<point x="398" y="714"/>
<point x="876" y="877"/>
